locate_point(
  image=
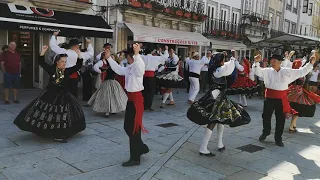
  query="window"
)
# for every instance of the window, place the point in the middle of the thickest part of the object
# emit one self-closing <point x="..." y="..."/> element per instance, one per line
<point x="289" y="5"/>
<point x="235" y="18"/>
<point x="277" y="22"/>
<point x="300" y="29"/>
<point x="287" y="26"/>
<point x="289" y="2"/>
<point x="295" y="3"/>
<point x="305" y="6"/>
<point x="223" y="15"/>
<point x="271" y="19"/>
<point x="310" y="9"/>
<point x="293" y="28"/>
<point x="248" y="6"/>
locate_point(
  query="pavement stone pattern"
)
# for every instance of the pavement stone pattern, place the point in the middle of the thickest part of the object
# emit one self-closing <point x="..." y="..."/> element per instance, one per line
<point x="97" y="152"/>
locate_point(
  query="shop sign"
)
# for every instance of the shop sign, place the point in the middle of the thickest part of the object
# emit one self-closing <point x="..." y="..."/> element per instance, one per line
<point x="176" y="41"/>
<point x="38" y="28"/>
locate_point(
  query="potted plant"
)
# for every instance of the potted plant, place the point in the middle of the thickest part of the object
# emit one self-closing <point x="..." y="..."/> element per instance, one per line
<point x="215" y="32"/>
<point x="223" y="33"/>
<point x="195" y="16"/>
<point x="157" y="6"/>
<point x="237" y="36"/>
<point x="203" y="17"/>
<point x="168" y="10"/>
<point x="179" y="12"/>
<point x="147" y="5"/>
<point x="230" y="34"/>
<point x="135" y="4"/>
<point x="187" y="14"/>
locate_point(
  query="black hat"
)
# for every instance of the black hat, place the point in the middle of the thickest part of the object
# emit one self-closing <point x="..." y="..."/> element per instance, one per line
<point x="277" y="57"/>
<point x="107" y="44"/>
<point x="73" y="42"/>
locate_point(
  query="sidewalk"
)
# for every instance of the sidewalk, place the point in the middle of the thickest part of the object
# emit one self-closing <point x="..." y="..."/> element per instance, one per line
<point x="97" y="152"/>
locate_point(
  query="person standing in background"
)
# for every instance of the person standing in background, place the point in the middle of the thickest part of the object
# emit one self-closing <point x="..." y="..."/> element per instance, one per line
<point x="313" y="80"/>
<point x="11" y="67"/>
<point x="87" y="81"/>
<point x="204" y="72"/>
<point x="186" y="70"/>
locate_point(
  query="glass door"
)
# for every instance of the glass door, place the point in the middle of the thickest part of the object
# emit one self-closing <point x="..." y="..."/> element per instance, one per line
<point x="182" y="52"/>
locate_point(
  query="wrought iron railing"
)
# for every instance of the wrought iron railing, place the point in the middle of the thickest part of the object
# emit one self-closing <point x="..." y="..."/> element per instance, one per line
<point x="220" y="27"/>
<point x="185" y="5"/>
<point x="247" y="13"/>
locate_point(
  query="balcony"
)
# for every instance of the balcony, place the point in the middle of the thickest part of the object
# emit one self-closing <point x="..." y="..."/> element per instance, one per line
<point x="184" y="9"/>
<point x="64" y="5"/>
<point x="222" y="29"/>
<point x="255" y="21"/>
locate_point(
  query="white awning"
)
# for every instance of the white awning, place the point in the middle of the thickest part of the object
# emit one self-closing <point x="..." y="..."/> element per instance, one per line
<point x="227" y="45"/>
<point x="166" y="36"/>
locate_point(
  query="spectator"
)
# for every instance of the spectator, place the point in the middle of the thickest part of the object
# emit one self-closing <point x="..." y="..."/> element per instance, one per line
<point x="11" y="67"/>
<point x="5" y="48"/>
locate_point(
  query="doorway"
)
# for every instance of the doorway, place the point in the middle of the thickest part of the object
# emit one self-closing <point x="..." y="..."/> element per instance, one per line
<point x="182" y="52"/>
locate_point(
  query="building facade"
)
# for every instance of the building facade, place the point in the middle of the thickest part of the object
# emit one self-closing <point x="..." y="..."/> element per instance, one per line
<point x="31" y="23"/>
<point x="291" y="16"/>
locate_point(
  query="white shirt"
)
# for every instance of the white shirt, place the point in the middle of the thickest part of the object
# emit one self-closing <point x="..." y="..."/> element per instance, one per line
<point x="238" y="65"/>
<point x="133" y="73"/>
<point x="226" y="69"/>
<point x="287" y="63"/>
<point x="98" y="65"/>
<point x="195" y="66"/>
<point x="124" y="63"/>
<point x="152" y="62"/>
<point x="206" y="59"/>
<point x="281" y="79"/>
<point x="72" y="55"/>
<point x="314" y="76"/>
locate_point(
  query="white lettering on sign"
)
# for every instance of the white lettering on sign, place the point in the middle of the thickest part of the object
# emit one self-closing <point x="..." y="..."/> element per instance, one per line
<point x="176" y="41"/>
<point x="30" y="10"/>
<point x="36" y="28"/>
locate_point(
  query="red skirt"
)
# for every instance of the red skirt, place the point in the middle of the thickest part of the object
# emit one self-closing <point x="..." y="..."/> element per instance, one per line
<point x="243" y="85"/>
<point x="121" y="80"/>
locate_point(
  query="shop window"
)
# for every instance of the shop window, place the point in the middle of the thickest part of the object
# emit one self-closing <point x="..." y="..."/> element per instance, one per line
<point x="310" y="9"/>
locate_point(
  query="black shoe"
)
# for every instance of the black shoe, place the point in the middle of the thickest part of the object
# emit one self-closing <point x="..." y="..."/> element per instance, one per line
<point x="131" y="163"/>
<point x="161" y="106"/>
<point x="150" y="109"/>
<point x="113" y="113"/>
<point x="145" y="149"/>
<point x="222" y="149"/>
<point x="279" y="143"/>
<point x="208" y="155"/>
<point x="16" y="102"/>
<point x="262" y="137"/>
<point x="61" y="140"/>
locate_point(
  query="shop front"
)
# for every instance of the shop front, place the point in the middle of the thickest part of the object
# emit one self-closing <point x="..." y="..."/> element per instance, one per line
<point x="32" y="27"/>
<point x="182" y="41"/>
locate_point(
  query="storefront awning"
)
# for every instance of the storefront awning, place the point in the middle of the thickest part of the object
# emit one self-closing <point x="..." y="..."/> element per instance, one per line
<point x="23" y="18"/>
<point x="166" y="36"/>
<point x="227" y="45"/>
<point x="290" y="39"/>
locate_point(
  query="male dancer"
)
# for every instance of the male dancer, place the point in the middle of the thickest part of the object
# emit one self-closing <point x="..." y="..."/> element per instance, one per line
<point x="276" y="81"/>
<point x="149" y="82"/>
<point x="186" y="70"/>
<point x="74" y="45"/>
<point x="134" y="111"/>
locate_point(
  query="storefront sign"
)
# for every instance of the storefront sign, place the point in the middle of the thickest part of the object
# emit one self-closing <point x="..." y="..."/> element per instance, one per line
<point x="14" y="16"/>
<point x="176" y="41"/>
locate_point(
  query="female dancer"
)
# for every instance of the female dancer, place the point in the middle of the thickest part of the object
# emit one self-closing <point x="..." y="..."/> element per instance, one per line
<point x="56" y="113"/>
<point x="110" y="97"/>
<point x="170" y="78"/>
<point x="301" y="100"/>
<point x="215" y="108"/>
<point x="243" y="84"/>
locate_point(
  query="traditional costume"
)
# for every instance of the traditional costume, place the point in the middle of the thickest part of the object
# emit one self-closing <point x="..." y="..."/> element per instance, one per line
<point x="56" y="113"/>
<point x="134" y="111"/>
<point x="149" y="82"/>
<point x="214" y="107"/>
<point x="243" y="85"/>
<point x="195" y="67"/>
<point x="109" y="98"/>
<point x="276" y="94"/>
<point x="72" y="60"/>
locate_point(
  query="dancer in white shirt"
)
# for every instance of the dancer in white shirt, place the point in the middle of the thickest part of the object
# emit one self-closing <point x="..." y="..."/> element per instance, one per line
<point x="195" y="66"/>
<point x="204" y="72"/>
<point x="277" y="80"/>
<point x="72" y="58"/>
<point x="313" y="80"/>
<point x="215" y="108"/>
<point x="149" y="82"/>
<point x="134" y="111"/>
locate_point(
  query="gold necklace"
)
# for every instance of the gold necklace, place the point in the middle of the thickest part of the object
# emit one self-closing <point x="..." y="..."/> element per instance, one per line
<point x="59" y="75"/>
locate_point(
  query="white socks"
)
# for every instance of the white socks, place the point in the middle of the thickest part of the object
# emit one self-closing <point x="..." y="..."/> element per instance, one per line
<point x="220" y="129"/>
<point x="171" y="97"/>
<point x="165" y="97"/>
<point x="245" y="100"/>
<point x="205" y="141"/>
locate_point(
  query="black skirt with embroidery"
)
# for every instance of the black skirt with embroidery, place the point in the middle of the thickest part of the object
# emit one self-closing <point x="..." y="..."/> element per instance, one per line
<point x="55" y="114"/>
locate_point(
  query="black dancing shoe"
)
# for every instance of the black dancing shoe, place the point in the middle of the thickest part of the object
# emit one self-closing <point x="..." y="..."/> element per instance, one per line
<point x="61" y="140"/>
<point x="262" y="137"/>
<point x="131" y="163"/>
<point x="222" y="149"/>
<point x="208" y="155"/>
<point x="145" y="149"/>
<point x="279" y="143"/>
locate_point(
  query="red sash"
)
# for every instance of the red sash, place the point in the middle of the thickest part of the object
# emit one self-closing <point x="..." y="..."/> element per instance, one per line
<point x="74" y="75"/>
<point x="149" y="74"/>
<point x="137" y="99"/>
<point x="283" y="96"/>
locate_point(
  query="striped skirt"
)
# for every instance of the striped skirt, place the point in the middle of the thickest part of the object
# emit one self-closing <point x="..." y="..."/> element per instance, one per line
<point x="109" y="98"/>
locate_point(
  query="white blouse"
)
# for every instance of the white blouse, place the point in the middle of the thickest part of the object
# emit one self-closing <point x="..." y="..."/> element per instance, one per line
<point x="98" y="65"/>
<point x="195" y="66"/>
<point x="226" y="69"/>
<point x="314" y="76"/>
<point x="287" y="63"/>
<point x="279" y="80"/>
<point x="152" y="62"/>
<point x="133" y="73"/>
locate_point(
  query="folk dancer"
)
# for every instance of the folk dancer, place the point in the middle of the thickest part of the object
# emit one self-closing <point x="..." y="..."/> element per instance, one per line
<point x="55" y="113"/>
<point x="74" y="45"/>
<point x="186" y="70"/>
<point x="215" y="108"/>
<point x="106" y="46"/>
<point x="149" y="82"/>
<point x="276" y="80"/>
<point x="109" y="98"/>
<point x="204" y="72"/>
<point x="301" y="100"/>
<point x="195" y="66"/>
<point x="170" y="78"/>
<point x="134" y="111"/>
